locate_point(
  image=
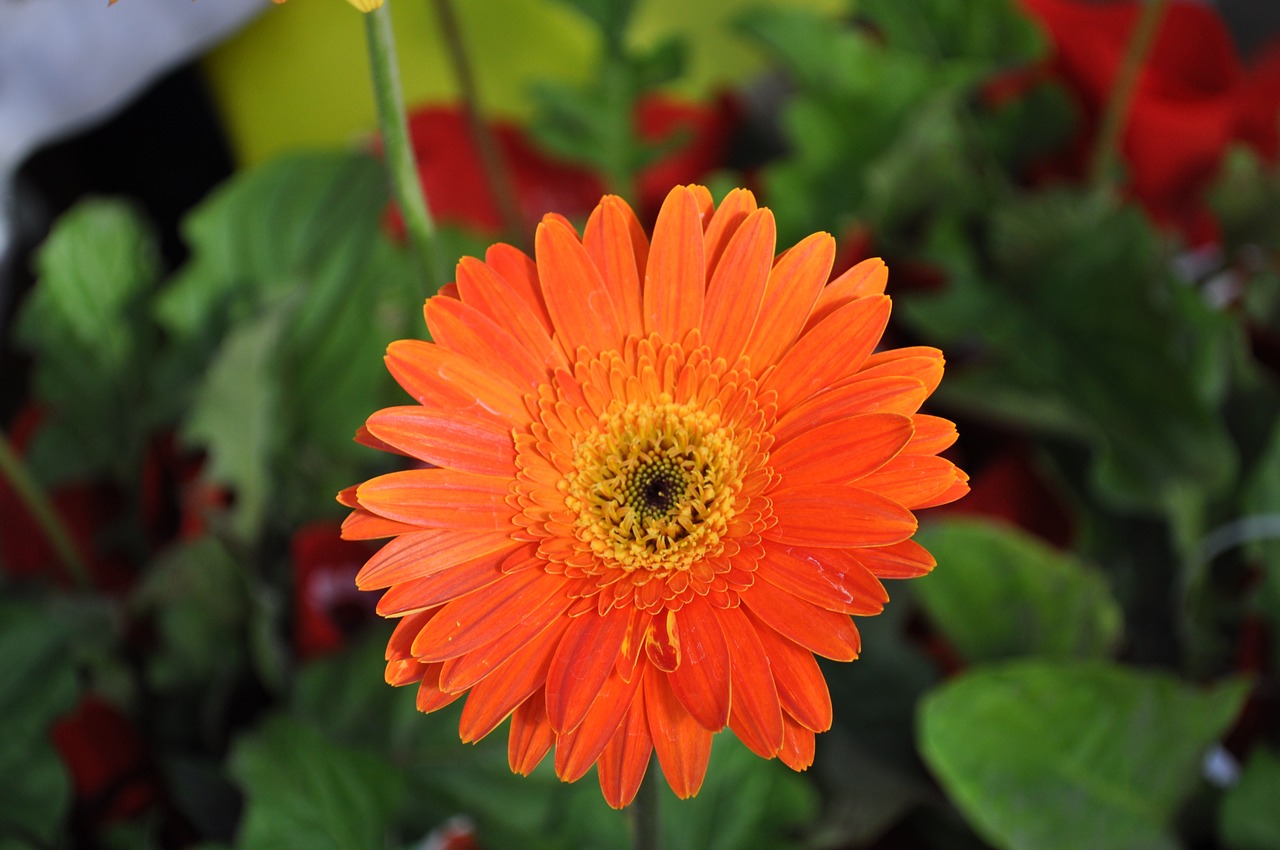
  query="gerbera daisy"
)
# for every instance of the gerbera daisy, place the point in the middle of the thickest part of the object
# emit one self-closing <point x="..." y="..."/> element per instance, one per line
<point x="660" y="478"/>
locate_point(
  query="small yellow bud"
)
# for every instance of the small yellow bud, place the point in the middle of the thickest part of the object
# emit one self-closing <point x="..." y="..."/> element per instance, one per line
<point x="366" y="5"/>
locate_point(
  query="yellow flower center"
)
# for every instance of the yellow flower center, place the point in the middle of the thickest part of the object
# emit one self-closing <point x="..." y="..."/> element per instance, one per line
<point x="653" y="485"/>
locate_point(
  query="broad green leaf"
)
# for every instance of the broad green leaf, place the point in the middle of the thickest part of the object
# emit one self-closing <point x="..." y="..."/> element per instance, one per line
<point x="1249" y="818"/>
<point x="1259" y="529"/>
<point x="237" y="417"/>
<point x="307" y="219"/>
<point x="1078" y="313"/>
<point x="86" y="325"/>
<point x="999" y="593"/>
<point x="37" y="684"/>
<point x="1072" y="754"/>
<point x="286" y="307"/>
<point x="305" y="793"/>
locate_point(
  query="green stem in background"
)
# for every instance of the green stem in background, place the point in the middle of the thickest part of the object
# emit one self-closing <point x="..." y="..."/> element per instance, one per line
<point x="1114" y="118"/>
<point x="495" y="168"/>
<point x="15" y="473"/>
<point x="401" y="167"/>
<point x="643" y="811"/>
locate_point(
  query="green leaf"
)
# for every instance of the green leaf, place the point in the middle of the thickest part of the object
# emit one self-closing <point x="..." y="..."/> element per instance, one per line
<point x="610" y="17"/>
<point x="86" y="326"/>
<point x="745" y="803"/>
<point x="307" y="793"/>
<point x="1249" y="818"/>
<point x="1259" y="530"/>
<point x="1066" y="331"/>
<point x="991" y="32"/>
<point x="236" y="417"/>
<point x="198" y="594"/>
<point x="291" y="296"/>
<point x="1072" y="754"/>
<point x="37" y="684"/>
<point x="1049" y="603"/>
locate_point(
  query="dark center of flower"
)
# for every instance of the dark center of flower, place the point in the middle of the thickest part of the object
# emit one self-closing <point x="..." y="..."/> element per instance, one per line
<point x="654" y="489"/>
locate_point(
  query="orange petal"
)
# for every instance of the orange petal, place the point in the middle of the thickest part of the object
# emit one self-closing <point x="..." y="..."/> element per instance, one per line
<point x="933" y="434"/>
<point x="581" y="306"/>
<point x="400" y="644"/>
<point x="959" y="488"/>
<point x="425" y="552"/>
<point x="675" y="277"/>
<point x="624" y="759"/>
<point x="701" y="680"/>
<point x="756" y="715"/>
<point x="682" y="745"/>
<point x="866" y="278"/>
<point x="363" y="525"/>
<point x="706" y="204"/>
<point x="832" y="350"/>
<point x="521" y="272"/>
<point x="430" y="698"/>
<point x="478" y="619"/>
<point x="727" y="218"/>
<point x="662" y="642"/>
<point x="802" y="690"/>
<point x="920" y="362"/>
<point x="481" y="444"/>
<point x="841" y="451"/>
<point x="531" y="735"/>
<point x="912" y="481"/>
<point x="907" y="559"/>
<point x="495" y="697"/>
<point x="826" y="633"/>
<point x="838" y="515"/>
<point x="608" y="240"/>
<point x="495" y="296"/>
<point x="466" y="330"/>
<point x="797" y="745"/>
<point x="466" y="670"/>
<point x="881" y="394"/>
<point x="429" y="371"/>
<point x="577" y="750"/>
<point x="587" y="655"/>
<point x="440" y="498"/>
<point x="829" y="578"/>
<point x="794" y="284"/>
<point x="442" y="586"/>
<point x="737" y="286"/>
<point x="364" y="438"/>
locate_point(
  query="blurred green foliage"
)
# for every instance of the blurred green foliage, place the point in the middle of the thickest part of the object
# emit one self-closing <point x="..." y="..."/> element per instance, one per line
<point x="1025" y="695"/>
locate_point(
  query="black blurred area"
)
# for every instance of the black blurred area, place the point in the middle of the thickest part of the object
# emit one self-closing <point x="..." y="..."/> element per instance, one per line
<point x="165" y="151"/>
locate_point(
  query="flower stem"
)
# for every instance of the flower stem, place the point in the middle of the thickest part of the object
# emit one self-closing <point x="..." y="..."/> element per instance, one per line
<point x="644" y="812"/>
<point x="14" y="471"/>
<point x="1106" y="148"/>
<point x="401" y="167"/>
<point x="495" y="168"/>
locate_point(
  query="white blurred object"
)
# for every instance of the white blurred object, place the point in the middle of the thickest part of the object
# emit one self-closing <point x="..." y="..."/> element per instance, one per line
<point x="66" y="64"/>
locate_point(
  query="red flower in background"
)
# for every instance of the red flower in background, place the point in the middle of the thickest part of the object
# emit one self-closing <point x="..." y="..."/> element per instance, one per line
<point x="457" y="189"/>
<point x="327" y="605"/>
<point x="110" y="772"/>
<point x="1258" y="123"/>
<point x="1185" y="106"/>
<point x="85" y="509"/>
<point x="1193" y="99"/>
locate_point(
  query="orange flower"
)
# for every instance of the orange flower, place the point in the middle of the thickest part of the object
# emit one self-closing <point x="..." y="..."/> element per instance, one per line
<point x="663" y="476"/>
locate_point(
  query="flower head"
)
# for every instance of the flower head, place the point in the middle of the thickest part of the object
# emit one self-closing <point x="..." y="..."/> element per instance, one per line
<point x="661" y="477"/>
